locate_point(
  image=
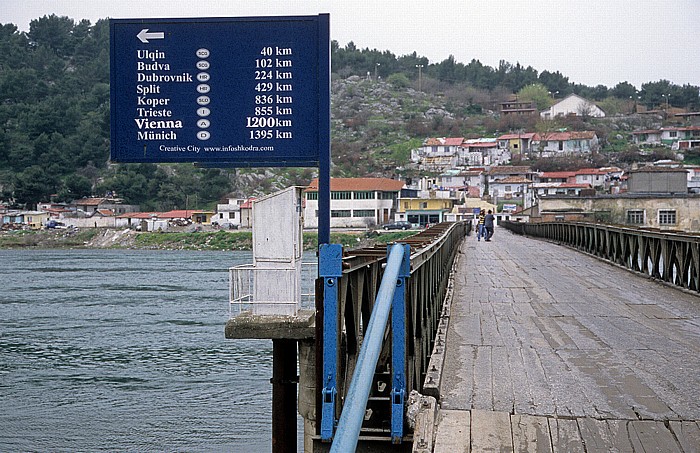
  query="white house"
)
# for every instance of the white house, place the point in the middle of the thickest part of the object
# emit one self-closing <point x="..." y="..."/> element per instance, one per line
<point x="596" y="177"/>
<point x="512" y="188"/>
<point x="573" y="105"/>
<point x="542" y="189"/>
<point x="647" y="137"/>
<point x="553" y="144"/>
<point x="461" y="179"/>
<point x="483" y="151"/>
<point x="229" y="213"/>
<point x="438" y="153"/>
<point x="355" y="202"/>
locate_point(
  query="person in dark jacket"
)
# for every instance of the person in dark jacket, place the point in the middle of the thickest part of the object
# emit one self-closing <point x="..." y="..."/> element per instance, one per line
<point x="488" y="225"/>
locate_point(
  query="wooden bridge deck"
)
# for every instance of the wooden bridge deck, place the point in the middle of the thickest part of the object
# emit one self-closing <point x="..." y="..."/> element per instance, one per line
<point x="549" y="349"/>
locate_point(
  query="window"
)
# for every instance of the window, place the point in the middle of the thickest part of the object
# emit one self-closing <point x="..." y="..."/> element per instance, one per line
<point x="406" y="205"/>
<point x="340" y="213"/>
<point x="673" y="134"/>
<point x="346" y="195"/>
<point x="312" y="195"/>
<point x="424" y="205"/>
<point x="508" y="189"/>
<point x="635" y="216"/>
<point x="388" y="195"/>
<point x="364" y="195"/>
<point x="363" y="213"/>
<point x="667" y="217"/>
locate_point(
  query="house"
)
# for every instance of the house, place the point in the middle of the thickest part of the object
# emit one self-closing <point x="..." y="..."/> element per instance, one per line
<point x="573" y="104"/>
<point x="552" y="144"/>
<point x="134" y="219"/>
<point x="247" y="213"/>
<point x="355" y="202"/>
<point x="504" y="171"/>
<point x="195" y="216"/>
<point x="596" y="177"/>
<point x="438" y="154"/>
<point x="674" y="137"/>
<point x="85" y="207"/>
<point x="424" y="211"/>
<point x="35" y="220"/>
<point x="512" y="188"/>
<point x="516" y="107"/>
<point x="649" y="137"/>
<point x="517" y="144"/>
<point x="483" y="151"/>
<point x="681" y="137"/>
<point x="556" y="177"/>
<point x="229" y="213"/>
<point x="12" y="218"/>
<point x="462" y="180"/>
<point x="543" y="189"/>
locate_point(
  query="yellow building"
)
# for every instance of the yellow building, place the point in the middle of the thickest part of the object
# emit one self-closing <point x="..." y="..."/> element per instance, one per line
<point x="35" y="219"/>
<point x="424" y="211"/>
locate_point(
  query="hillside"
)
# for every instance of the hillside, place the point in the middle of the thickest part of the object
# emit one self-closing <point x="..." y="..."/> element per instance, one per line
<point x="54" y="112"/>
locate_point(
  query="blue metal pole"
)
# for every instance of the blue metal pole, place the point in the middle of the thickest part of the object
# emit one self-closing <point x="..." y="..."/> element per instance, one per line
<point x="324" y="129"/>
<point x="356" y="400"/>
<point x="398" y="348"/>
<point x="330" y="268"/>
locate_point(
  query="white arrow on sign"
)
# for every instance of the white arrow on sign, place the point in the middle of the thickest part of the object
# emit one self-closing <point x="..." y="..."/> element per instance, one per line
<point x="144" y="36"/>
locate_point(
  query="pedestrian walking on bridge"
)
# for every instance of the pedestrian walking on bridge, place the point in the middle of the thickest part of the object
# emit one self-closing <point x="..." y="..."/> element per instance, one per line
<point x="480" y="231"/>
<point x="488" y="225"/>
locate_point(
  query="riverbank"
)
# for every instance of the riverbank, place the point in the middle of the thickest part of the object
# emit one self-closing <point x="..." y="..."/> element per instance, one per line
<point x="201" y="240"/>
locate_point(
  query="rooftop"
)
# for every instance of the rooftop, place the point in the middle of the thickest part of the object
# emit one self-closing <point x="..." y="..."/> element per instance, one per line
<point x="360" y="184"/>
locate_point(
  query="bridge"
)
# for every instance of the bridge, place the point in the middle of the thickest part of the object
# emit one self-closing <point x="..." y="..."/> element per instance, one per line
<point x="519" y="344"/>
<point x="550" y="349"/>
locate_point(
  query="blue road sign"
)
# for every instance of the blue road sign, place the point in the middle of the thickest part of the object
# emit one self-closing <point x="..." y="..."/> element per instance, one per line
<point x="231" y="91"/>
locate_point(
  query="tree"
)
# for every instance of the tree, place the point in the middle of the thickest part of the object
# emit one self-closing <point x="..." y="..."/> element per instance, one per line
<point x="536" y="93"/>
<point x="33" y="185"/>
<point x="624" y="90"/>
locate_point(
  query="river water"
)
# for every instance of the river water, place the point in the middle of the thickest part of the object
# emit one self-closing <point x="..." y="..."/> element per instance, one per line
<point x="124" y="351"/>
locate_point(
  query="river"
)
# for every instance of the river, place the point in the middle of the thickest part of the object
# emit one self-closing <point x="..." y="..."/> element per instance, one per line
<point x="124" y="350"/>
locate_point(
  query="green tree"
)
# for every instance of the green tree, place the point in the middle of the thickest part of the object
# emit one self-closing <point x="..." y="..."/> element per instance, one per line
<point x="536" y="93"/>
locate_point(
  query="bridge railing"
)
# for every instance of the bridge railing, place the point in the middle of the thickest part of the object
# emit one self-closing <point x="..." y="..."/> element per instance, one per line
<point x="351" y="283"/>
<point x="671" y="257"/>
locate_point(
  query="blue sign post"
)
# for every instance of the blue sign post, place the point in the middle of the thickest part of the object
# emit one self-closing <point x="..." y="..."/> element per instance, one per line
<point x="226" y="92"/>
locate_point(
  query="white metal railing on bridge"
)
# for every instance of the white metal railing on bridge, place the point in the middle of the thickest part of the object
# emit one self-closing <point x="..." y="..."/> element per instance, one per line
<point x="251" y="287"/>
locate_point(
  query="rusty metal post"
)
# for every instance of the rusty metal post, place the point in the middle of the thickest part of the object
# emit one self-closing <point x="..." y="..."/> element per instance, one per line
<point x="284" y="396"/>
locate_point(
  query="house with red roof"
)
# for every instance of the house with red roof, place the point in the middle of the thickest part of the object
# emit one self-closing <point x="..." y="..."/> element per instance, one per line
<point x="355" y="202"/>
<point x="515" y="188"/>
<point x="482" y="152"/>
<point x="647" y="137"/>
<point x="517" y="144"/>
<point x="438" y="154"/>
<point x="553" y="144"/>
<point x="542" y="189"/>
<point x="557" y="177"/>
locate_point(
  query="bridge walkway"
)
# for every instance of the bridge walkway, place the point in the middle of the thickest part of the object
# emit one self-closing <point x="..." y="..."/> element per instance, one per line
<point x="549" y="349"/>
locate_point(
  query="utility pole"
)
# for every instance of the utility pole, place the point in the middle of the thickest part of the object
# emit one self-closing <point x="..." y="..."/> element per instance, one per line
<point x="376" y="65"/>
<point x="420" y="76"/>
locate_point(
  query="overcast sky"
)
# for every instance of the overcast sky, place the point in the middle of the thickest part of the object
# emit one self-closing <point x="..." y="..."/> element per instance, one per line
<point x="590" y="41"/>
